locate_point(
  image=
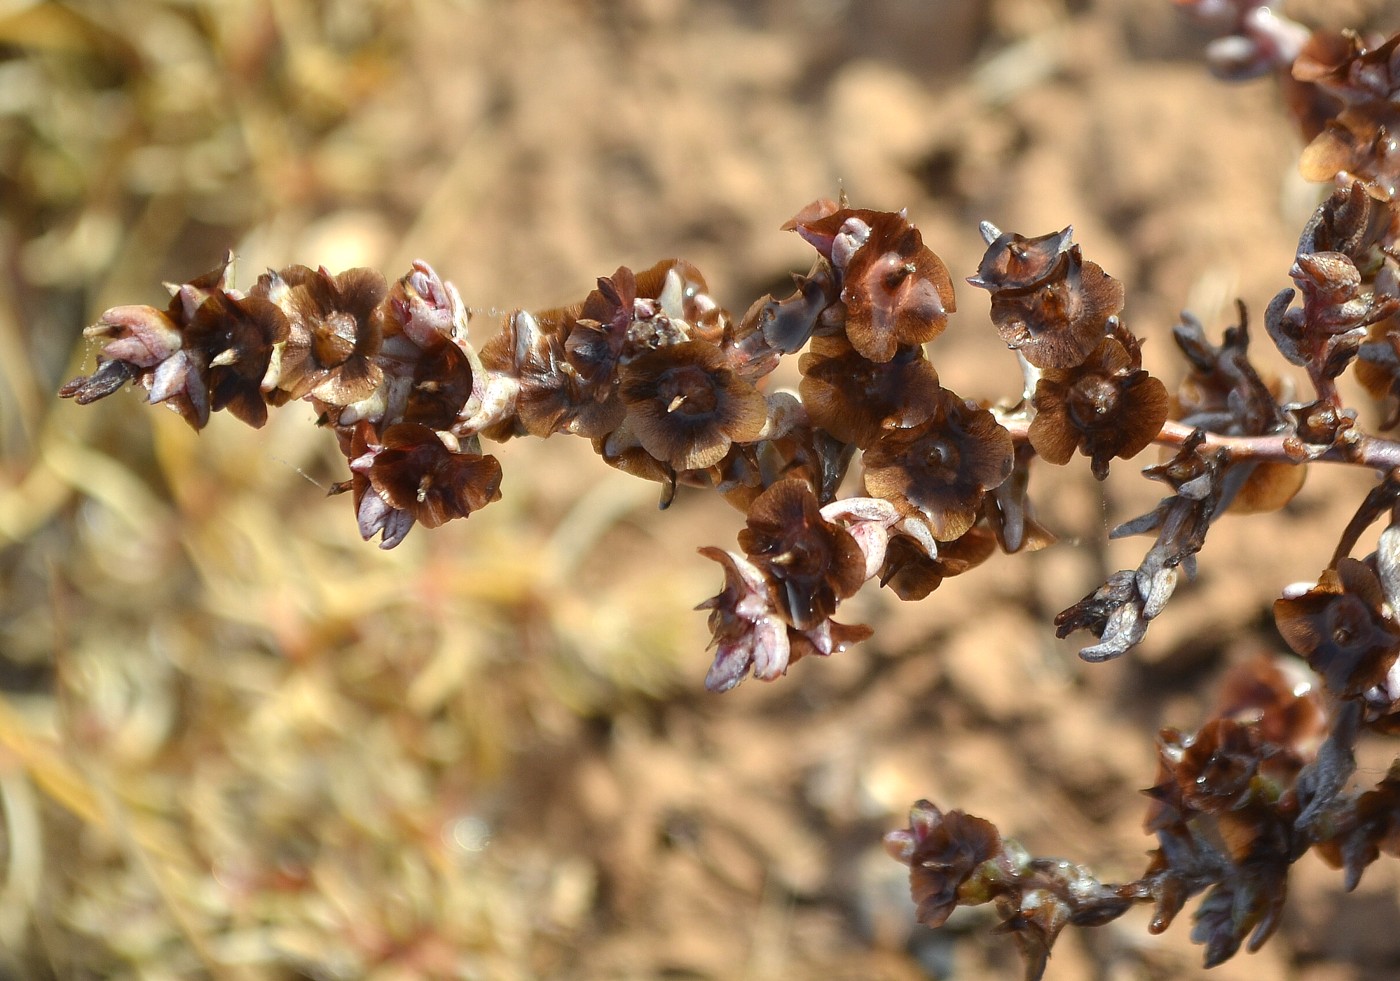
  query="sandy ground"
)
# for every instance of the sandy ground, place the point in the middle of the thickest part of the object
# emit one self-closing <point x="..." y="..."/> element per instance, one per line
<point x="236" y="742"/>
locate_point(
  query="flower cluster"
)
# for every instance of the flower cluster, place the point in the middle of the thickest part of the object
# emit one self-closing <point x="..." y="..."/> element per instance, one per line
<point x="779" y="595"/>
<point x="1360" y="76"/>
<point x="1060" y="313"/>
<point x="956" y="859"/>
<point x="1230" y="809"/>
<point x="875" y="294"/>
<point x="388" y="369"/>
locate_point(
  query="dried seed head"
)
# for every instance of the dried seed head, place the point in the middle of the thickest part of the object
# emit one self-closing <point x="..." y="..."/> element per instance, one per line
<point x="812" y="563"/>
<point x="943" y="852"/>
<point x="895" y="289"/>
<point x="854" y="398"/>
<point x="1342" y="628"/>
<point x="211" y="349"/>
<point x="415" y="470"/>
<point x="1106" y="407"/>
<point x="686" y="405"/>
<point x="941" y="468"/>
<point x="337" y="327"/>
<point x="1048" y="303"/>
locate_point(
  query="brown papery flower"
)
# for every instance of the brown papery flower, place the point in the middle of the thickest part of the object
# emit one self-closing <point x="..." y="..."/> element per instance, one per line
<point x="1366" y="81"/>
<point x="337" y="326"/>
<point x="748" y="635"/>
<point x="1058" y="322"/>
<point x="1106" y="407"/>
<point x="1015" y="262"/>
<point x="686" y="405"/>
<point x="1048" y="302"/>
<point x="813" y="563"/>
<point x="912" y="574"/>
<point x="594" y="342"/>
<point x="417" y="472"/>
<point x="238" y="336"/>
<point x="943" y="851"/>
<point x="854" y="398"/>
<point x="1340" y="626"/>
<point x="431" y="376"/>
<point x="1217" y="765"/>
<point x="895" y="289"/>
<point x="941" y="468"/>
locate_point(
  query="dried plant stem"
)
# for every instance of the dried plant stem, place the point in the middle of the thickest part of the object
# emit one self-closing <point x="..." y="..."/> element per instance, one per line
<point x="1353" y="448"/>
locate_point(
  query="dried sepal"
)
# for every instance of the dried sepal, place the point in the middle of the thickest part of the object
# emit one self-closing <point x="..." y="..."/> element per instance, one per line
<point x="911" y="573"/>
<point x="1119" y="611"/>
<point x="870" y="521"/>
<point x="1341" y="627"/>
<point x="1347" y="277"/>
<point x="686" y="405"/>
<point x="748" y="630"/>
<point x="1015" y="262"/>
<point x="106" y="378"/>
<point x="1373" y="829"/>
<point x="1009" y="512"/>
<point x="1280" y="698"/>
<point x="241" y="333"/>
<point x="373" y="512"/>
<point x="748" y="635"/>
<point x="1357" y="220"/>
<point x="1106" y="407"/>
<point x="895" y="290"/>
<point x="854" y="398"/>
<point x="772" y="327"/>
<point x="1255" y="39"/>
<point x="1249" y="905"/>
<point x="944" y="853"/>
<point x="528" y="350"/>
<point x="622" y="450"/>
<point x="942" y="467"/>
<point x="812" y="563"/>
<point x="433" y="375"/>
<point x="1223" y="391"/>
<point x="825" y="639"/>
<point x="1048" y="302"/>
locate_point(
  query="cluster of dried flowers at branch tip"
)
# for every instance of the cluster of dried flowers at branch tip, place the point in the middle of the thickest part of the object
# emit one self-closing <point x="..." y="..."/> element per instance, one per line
<point x="669" y="387"/>
<point x="1234" y="804"/>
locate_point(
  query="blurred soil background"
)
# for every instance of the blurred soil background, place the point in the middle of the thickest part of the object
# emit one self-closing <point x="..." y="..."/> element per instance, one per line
<point x="237" y="742"/>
